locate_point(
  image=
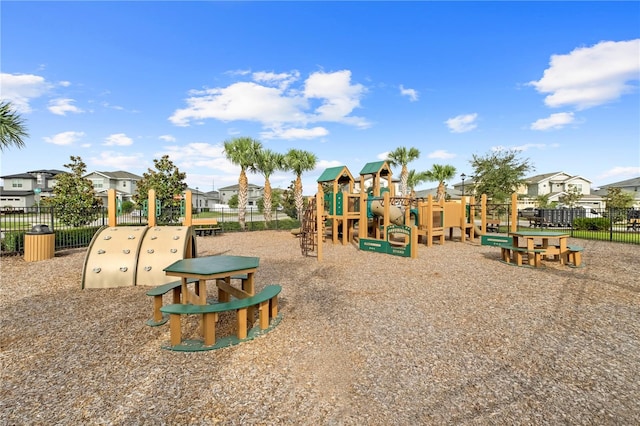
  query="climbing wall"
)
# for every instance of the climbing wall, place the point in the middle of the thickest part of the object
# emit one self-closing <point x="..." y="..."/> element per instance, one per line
<point x="124" y="256"/>
<point x="161" y="246"/>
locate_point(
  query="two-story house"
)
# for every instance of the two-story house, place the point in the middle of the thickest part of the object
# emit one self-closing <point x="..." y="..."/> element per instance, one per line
<point x="124" y="183"/>
<point x="255" y="193"/>
<point x="552" y="185"/>
<point x="25" y="189"/>
<point x="630" y="186"/>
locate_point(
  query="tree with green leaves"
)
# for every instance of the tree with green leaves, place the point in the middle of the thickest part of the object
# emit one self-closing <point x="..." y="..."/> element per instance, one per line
<point x="571" y="197"/>
<point x="499" y="174"/>
<point x="441" y="173"/>
<point x="268" y="161"/>
<point x="12" y="127"/>
<point x="169" y="184"/>
<point x="617" y="198"/>
<point x="299" y="161"/>
<point x="402" y="156"/>
<point x="242" y="151"/>
<point x="414" y="179"/>
<point x="74" y="199"/>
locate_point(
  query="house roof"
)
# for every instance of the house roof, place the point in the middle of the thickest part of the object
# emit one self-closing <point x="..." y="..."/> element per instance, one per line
<point x="629" y="182"/>
<point x="120" y="174"/>
<point x="236" y="187"/>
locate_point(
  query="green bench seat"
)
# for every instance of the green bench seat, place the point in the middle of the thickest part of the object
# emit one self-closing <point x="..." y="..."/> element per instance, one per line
<point x="574" y="256"/>
<point x="534" y="256"/>
<point x="267" y="301"/>
<point x="157" y="293"/>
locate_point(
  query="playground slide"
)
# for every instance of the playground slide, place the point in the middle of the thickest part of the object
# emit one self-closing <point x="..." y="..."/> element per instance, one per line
<point x="395" y="213"/>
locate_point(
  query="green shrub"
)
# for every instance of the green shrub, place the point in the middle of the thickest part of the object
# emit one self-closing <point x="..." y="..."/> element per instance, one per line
<point x="592" y="223"/>
<point x="13" y="241"/>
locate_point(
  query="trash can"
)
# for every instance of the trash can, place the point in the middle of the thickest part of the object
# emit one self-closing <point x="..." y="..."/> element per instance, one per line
<point x="39" y="243"/>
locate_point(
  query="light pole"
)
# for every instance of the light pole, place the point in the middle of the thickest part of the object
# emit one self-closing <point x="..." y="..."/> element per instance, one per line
<point x="197" y="200"/>
<point x="463" y="176"/>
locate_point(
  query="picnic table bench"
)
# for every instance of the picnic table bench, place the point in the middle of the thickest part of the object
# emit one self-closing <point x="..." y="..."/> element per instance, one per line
<point x="206" y="226"/>
<point x="493" y="225"/>
<point x="509" y="252"/>
<point x="266" y="300"/>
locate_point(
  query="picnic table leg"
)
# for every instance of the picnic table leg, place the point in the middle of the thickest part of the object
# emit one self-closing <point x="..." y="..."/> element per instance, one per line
<point x="222" y="295"/>
<point x="209" y="327"/>
<point x="175" y="329"/>
<point x="249" y="287"/>
<point x="242" y="323"/>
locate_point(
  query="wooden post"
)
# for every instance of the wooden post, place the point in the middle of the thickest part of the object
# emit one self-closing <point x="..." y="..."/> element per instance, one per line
<point x="111" y="207"/>
<point x="514" y="212"/>
<point x="151" y="210"/>
<point x="483" y="213"/>
<point x="187" y="208"/>
<point x="319" y="222"/>
<point x="463" y="204"/>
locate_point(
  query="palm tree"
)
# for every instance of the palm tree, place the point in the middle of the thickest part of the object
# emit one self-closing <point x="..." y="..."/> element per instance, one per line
<point x="12" y="128"/>
<point x="401" y="157"/>
<point x="299" y="161"/>
<point x="440" y="174"/>
<point x="414" y="179"/>
<point x="242" y="152"/>
<point x="267" y="162"/>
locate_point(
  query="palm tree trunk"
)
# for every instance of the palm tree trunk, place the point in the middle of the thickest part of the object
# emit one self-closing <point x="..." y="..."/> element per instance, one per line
<point x="297" y="189"/>
<point x="404" y="178"/>
<point x="267" y="203"/>
<point x="243" y="189"/>
<point x="441" y="191"/>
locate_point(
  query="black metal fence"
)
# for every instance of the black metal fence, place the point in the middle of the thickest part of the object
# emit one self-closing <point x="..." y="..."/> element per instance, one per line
<point x="15" y="223"/>
<point x="605" y="224"/>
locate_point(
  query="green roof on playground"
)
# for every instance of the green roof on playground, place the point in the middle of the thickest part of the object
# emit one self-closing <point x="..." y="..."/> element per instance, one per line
<point x="372" y="168"/>
<point x="332" y="173"/>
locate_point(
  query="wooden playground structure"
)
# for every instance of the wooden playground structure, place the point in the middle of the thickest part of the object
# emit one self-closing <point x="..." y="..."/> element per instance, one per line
<point x="365" y="211"/>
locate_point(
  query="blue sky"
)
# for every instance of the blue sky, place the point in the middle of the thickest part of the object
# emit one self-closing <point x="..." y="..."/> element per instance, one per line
<point x="122" y="83"/>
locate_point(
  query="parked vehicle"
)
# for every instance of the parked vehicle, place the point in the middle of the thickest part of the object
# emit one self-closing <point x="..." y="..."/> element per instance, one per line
<point x="527" y="212"/>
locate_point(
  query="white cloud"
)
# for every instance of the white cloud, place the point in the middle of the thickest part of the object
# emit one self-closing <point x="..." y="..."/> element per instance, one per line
<point x="591" y="76"/>
<point x="383" y="155"/>
<point x="278" y="107"/>
<point x="64" y="83"/>
<point x="167" y="138"/>
<point x="294" y="133"/>
<point x="462" y="123"/>
<point x="528" y="146"/>
<point x="441" y="154"/>
<point x="321" y="165"/>
<point x="554" y="121"/>
<point x="62" y="106"/>
<point x="19" y="89"/>
<point x="118" y="161"/>
<point x="64" y="138"/>
<point x="118" y="139"/>
<point x="200" y="154"/>
<point x="411" y="93"/>
<point x="621" y="172"/>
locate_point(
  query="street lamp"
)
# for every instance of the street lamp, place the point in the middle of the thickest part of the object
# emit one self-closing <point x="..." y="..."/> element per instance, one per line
<point x="197" y="200"/>
<point x="463" y="176"/>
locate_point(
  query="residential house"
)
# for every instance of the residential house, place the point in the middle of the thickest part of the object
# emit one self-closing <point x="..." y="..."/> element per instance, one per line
<point x="631" y="186"/>
<point x="26" y="189"/>
<point x="255" y="193"/>
<point x="124" y="183"/>
<point x="554" y="185"/>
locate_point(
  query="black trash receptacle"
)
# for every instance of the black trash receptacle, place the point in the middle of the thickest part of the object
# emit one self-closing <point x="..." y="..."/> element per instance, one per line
<point x="39" y="243"/>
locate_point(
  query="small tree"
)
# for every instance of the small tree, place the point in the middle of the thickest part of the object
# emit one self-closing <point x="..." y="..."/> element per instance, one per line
<point x="617" y="198"/>
<point x="168" y="183"/>
<point x="267" y="162"/>
<point x="414" y="179"/>
<point x="233" y="201"/>
<point x="401" y="157"/>
<point x="74" y="198"/>
<point x="441" y="173"/>
<point x="499" y="174"/>
<point x="542" y="201"/>
<point x="299" y="161"/>
<point x="242" y="152"/>
<point x="572" y="197"/>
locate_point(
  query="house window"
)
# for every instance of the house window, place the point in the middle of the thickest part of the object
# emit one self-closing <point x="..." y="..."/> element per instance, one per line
<point x="97" y="183"/>
<point x="16" y="183"/>
<point x="124" y="184"/>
